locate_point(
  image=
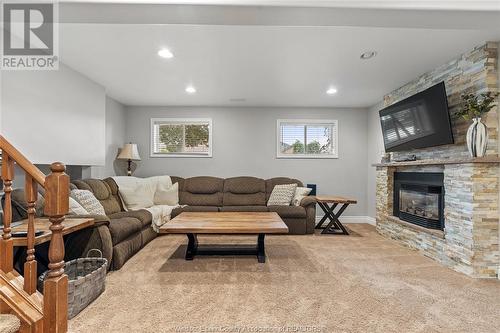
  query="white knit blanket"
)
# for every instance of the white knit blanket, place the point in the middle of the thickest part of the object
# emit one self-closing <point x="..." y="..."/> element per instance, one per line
<point x="141" y="192"/>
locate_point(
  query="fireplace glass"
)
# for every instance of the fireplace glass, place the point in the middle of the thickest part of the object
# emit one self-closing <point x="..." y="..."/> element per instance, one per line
<point x="421" y="204"/>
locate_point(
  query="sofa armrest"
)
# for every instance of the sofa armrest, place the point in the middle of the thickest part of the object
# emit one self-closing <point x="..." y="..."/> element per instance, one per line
<point x="307" y="201"/>
<point x="309" y="204"/>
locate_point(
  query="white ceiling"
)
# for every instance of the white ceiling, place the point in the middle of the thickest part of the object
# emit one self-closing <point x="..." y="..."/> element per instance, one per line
<point x="265" y="65"/>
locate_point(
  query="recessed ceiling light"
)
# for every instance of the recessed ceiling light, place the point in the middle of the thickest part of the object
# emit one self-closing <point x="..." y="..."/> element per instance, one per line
<point x="165" y="53"/>
<point x="331" y="91"/>
<point x="190" y="89"/>
<point x="368" y="55"/>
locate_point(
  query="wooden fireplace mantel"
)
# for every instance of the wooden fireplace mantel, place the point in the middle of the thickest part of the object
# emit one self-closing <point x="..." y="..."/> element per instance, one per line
<point x="492" y="159"/>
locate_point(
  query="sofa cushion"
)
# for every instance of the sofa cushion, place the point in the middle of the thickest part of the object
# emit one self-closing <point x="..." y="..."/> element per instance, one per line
<point x="75" y="208"/>
<point x="122" y="228"/>
<point x="300" y="193"/>
<point x="202" y="191"/>
<point x="179" y="180"/>
<point x="142" y="215"/>
<point x="244" y="185"/>
<point x="244" y="209"/>
<point x="289" y="211"/>
<point x="231" y="199"/>
<point x="282" y="195"/>
<point x="167" y="196"/>
<point x="88" y="201"/>
<point x="244" y="191"/>
<point x="103" y="192"/>
<point x="203" y="185"/>
<point x="270" y="183"/>
<point x="138" y="197"/>
<point x="194" y="199"/>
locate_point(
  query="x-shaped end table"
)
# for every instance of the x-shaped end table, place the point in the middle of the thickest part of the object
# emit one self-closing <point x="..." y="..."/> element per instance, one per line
<point x="328" y="205"/>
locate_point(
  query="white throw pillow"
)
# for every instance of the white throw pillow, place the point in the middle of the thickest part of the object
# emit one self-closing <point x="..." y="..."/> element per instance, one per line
<point x="169" y="197"/>
<point x="282" y="195"/>
<point x="88" y="201"/>
<point x="138" y="197"/>
<point x="300" y="193"/>
<point x="75" y="208"/>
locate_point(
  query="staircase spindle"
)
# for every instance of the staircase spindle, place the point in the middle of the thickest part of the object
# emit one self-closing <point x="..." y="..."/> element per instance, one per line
<point x="55" y="295"/>
<point x="6" y="243"/>
<point x="30" y="266"/>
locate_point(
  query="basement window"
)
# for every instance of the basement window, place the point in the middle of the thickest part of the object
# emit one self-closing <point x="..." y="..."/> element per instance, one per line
<point x="307" y="138"/>
<point x="181" y="137"/>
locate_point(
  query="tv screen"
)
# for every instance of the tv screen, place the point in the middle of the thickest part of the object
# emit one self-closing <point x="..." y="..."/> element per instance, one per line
<point x="420" y="121"/>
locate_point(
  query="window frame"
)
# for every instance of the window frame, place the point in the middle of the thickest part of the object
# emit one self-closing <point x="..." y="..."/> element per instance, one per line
<point x="305" y="122"/>
<point x="185" y="121"/>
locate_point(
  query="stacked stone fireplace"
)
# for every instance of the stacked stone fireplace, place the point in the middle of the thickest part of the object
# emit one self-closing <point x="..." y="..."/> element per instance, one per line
<point x="419" y="198"/>
<point x="446" y="204"/>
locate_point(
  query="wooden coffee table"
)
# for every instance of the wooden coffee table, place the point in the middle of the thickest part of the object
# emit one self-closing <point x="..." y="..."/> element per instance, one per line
<point x="225" y="223"/>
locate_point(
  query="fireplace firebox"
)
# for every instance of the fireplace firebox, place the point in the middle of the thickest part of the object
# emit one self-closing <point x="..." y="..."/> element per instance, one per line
<point x="419" y="198"/>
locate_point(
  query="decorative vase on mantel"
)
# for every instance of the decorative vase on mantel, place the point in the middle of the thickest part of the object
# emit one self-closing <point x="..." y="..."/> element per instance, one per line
<point x="477" y="138"/>
<point x="473" y="108"/>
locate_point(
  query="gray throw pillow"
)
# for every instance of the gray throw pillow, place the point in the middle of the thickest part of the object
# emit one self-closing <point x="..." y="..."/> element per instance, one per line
<point x="282" y="195"/>
<point x="88" y="201"/>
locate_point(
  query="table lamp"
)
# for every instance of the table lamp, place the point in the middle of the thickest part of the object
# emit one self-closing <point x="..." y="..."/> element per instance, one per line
<point x="130" y="153"/>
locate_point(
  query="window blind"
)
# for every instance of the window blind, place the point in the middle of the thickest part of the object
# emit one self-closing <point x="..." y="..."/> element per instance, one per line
<point x="316" y="138"/>
<point x="186" y="137"/>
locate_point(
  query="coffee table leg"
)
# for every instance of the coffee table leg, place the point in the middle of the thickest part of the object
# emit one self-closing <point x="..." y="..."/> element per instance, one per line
<point x="192" y="246"/>
<point x="261" y="251"/>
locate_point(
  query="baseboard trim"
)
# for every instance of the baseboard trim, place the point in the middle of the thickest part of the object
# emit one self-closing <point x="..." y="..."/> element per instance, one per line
<point x="353" y="219"/>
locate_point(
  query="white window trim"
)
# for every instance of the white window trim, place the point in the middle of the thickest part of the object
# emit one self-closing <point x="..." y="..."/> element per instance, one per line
<point x="182" y="120"/>
<point x="306" y="122"/>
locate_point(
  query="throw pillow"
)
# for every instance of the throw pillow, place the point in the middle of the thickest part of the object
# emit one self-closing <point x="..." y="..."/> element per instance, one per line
<point x="282" y="195"/>
<point x="138" y="197"/>
<point x="300" y="193"/>
<point x="169" y="197"/>
<point x="75" y="208"/>
<point x="88" y="201"/>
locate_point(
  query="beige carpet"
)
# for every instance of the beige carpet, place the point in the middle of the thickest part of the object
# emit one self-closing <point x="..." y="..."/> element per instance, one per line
<point x="313" y="283"/>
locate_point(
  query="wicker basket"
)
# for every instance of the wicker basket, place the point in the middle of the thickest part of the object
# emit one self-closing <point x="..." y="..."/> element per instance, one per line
<point x="87" y="280"/>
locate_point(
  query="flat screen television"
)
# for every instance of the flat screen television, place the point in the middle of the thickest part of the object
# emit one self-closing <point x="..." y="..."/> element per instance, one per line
<point x="419" y="121"/>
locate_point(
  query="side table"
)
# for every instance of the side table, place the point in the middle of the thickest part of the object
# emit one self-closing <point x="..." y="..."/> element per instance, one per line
<point x="328" y="205"/>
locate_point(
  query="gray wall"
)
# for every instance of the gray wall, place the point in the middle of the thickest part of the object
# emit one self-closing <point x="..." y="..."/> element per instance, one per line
<point x="115" y="138"/>
<point x="244" y="143"/>
<point x="54" y="116"/>
<point x="375" y="148"/>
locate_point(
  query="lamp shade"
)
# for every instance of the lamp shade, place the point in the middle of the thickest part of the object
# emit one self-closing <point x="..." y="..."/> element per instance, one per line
<point x="129" y="152"/>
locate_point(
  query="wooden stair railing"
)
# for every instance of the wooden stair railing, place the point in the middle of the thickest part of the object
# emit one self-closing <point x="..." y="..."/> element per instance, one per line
<point x="47" y="313"/>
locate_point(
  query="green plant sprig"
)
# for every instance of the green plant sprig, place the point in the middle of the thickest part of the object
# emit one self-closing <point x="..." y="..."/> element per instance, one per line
<point x="475" y="106"/>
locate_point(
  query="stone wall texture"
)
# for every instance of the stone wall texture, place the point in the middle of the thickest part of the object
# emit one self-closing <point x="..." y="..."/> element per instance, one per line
<point x="470" y="241"/>
<point x="473" y="72"/>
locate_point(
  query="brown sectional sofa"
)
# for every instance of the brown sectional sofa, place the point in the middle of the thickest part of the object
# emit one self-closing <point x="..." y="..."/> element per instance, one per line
<point x="125" y="232"/>
<point x="120" y="234"/>
<point x="244" y="194"/>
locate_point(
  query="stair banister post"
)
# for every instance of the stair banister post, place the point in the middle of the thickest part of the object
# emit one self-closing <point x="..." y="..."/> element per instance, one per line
<point x="55" y="291"/>
<point x="30" y="266"/>
<point x="6" y="243"/>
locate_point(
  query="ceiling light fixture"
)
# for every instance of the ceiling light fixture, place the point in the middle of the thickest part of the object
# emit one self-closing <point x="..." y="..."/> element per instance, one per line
<point x="190" y="89"/>
<point x="165" y="53"/>
<point x="368" y="55"/>
<point x="331" y="91"/>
